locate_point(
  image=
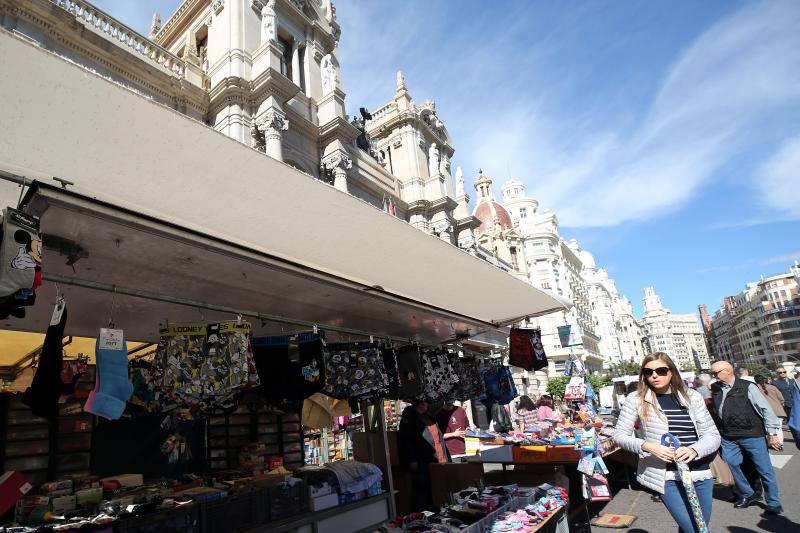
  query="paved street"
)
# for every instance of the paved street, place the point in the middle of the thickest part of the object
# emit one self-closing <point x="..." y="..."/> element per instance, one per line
<point x="653" y="517"/>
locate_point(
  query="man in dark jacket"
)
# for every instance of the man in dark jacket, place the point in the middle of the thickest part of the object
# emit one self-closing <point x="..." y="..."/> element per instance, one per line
<point x="745" y="418"/>
<point x="421" y="443"/>
<point x="785" y="386"/>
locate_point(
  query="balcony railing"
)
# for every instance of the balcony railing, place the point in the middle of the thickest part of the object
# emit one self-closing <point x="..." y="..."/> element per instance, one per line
<point x="95" y="18"/>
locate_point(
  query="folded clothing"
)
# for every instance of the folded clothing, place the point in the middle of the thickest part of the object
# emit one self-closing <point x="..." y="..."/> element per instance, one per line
<point x="354" y="476"/>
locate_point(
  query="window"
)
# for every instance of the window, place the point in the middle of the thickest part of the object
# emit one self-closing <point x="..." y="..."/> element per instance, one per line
<point x="523" y="212"/>
<point x="286" y="57"/>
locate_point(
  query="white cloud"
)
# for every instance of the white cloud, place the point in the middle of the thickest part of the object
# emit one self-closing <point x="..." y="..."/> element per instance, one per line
<point x="783" y="259"/>
<point x="610" y="163"/>
<point x="779" y="183"/>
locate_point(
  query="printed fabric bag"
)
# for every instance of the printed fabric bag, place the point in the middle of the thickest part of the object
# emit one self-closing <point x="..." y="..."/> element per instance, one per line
<point x="290" y="368"/>
<point x="440" y="378"/>
<point x="20" y="253"/>
<point x="392" y="374"/>
<point x="500" y="385"/>
<point x="355" y="371"/>
<point x="229" y="357"/>
<point x="409" y="370"/>
<point x="471" y="380"/>
<point x="526" y="350"/>
<point x="576" y="389"/>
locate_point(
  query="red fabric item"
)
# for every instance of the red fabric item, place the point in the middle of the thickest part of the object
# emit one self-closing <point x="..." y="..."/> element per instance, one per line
<point x="451" y="421"/>
<point x="13" y="486"/>
<point x="433" y="427"/>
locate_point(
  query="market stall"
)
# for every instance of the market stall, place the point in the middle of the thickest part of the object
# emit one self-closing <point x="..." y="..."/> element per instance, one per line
<point x="109" y="268"/>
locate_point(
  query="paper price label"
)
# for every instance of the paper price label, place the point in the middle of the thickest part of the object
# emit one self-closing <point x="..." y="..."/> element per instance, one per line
<point x="58" y="312"/>
<point x="111" y="339"/>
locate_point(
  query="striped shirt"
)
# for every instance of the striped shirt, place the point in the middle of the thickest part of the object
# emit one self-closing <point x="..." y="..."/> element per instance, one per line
<point x="680" y="425"/>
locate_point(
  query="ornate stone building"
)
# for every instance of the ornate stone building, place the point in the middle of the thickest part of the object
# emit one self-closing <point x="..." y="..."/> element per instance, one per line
<point x="266" y="73"/>
<point x="679" y="336"/>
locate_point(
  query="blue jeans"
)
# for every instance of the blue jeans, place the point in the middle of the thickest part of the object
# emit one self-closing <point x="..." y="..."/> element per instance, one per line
<point x="677" y="503"/>
<point x="756" y="450"/>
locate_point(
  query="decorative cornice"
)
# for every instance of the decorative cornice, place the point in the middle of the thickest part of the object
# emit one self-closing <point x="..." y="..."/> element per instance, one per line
<point x="217" y="6"/>
<point x="185" y="10"/>
<point x="338" y="160"/>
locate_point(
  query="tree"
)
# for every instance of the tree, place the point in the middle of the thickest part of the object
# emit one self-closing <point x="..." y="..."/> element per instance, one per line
<point x="558" y="385"/>
<point x="688" y="367"/>
<point x="624" y="368"/>
<point x="757" y="369"/>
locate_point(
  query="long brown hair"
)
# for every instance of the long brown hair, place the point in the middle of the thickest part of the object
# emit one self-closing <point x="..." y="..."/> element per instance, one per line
<point x="676" y="383"/>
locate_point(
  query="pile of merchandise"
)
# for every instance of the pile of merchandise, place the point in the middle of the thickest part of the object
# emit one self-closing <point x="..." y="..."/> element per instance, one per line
<point x="197" y="502"/>
<point x="496" y="509"/>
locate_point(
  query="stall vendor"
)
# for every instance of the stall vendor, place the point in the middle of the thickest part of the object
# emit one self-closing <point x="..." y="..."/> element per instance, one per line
<point x="420" y="444"/>
<point x="453" y="422"/>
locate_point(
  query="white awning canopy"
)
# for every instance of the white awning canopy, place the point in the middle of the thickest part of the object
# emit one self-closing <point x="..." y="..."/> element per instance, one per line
<point x="140" y="271"/>
<point x="164" y="205"/>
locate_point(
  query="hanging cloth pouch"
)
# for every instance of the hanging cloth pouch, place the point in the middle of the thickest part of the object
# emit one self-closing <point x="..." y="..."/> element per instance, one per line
<point x="20" y="252"/>
<point x="409" y="369"/>
<point x="500" y="385"/>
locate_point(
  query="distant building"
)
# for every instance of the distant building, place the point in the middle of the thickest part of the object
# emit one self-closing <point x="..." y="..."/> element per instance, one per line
<point x="679" y="336"/>
<point x="760" y="324"/>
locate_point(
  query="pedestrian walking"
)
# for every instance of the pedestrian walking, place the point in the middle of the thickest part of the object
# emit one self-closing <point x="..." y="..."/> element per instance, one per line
<point x="785" y="386"/>
<point x="663" y="404"/>
<point x="745" y="418"/>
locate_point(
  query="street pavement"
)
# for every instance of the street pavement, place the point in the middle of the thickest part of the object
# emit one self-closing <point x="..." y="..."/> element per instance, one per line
<point x="652" y="516"/>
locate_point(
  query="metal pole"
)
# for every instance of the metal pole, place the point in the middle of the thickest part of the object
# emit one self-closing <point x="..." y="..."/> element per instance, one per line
<point x="389" y="476"/>
<point x="153" y="296"/>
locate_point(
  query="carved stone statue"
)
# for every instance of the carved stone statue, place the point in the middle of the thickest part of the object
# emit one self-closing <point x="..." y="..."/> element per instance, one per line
<point x="155" y="26"/>
<point x="433" y="160"/>
<point x="328" y="74"/>
<point x="459" y="183"/>
<point x="363" y="141"/>
<point x="401" y="81"/>
<point x="269" y="28"/>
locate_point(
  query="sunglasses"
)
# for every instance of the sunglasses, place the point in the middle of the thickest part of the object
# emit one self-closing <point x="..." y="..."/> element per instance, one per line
<point x="781" y="372"/>
<point x="661" y="371"/>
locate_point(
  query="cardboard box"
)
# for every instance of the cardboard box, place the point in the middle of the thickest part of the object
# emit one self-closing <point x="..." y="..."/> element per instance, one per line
<point x="127" y="480"/>
<point x="326" y="501"/>
<point x="500" y="454"/>
<point x="13" y="486"/>
<point x="452" y="477"/>
<point x="63" y="504"/>
<point x="361" y="451"/>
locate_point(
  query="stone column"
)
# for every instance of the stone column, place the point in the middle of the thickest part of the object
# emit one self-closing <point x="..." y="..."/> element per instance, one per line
<point x="338" y="164"/>
<point x="296" y="62"/>
<point x="273" y="124"/>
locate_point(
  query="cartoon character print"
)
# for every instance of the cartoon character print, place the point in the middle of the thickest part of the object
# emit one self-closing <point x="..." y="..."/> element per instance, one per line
<point x="30" y="251"/>
<point x="310" y="372"/>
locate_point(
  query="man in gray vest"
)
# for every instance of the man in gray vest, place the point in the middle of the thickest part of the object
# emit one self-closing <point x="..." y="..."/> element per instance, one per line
<point x="745" y="418"/>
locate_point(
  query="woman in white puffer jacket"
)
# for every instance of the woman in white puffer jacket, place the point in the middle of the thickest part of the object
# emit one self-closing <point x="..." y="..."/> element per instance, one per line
<point x="663" y="404"/>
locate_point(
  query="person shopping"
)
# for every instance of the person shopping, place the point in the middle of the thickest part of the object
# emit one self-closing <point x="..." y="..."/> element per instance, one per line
<point x="745" y="418"/>
<point x="663" y="404"/>
<point x="545" y="411"/>
<point x="420" y="444"/>
<point x="453" y="422"/>
<point x="526" y="414"/>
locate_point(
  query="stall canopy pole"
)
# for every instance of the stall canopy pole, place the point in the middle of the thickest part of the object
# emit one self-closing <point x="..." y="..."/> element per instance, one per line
<point x="389" y="477"/>
<point x="147" y="295"/>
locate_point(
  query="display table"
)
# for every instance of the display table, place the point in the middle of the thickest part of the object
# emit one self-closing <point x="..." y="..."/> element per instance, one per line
<point x="361" y="516"/>
<point x="555" y="523"/>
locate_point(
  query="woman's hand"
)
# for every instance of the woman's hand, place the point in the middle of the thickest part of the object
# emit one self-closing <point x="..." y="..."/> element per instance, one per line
<point x="665" y="453"/>
<point x="685" y="455"/>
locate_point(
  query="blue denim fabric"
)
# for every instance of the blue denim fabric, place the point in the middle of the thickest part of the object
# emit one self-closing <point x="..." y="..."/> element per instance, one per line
<point x="677" y="504"/>
<point x="756" y="449"/>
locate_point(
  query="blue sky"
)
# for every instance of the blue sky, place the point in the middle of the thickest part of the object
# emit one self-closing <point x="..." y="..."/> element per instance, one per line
<point x="664" y="135"/>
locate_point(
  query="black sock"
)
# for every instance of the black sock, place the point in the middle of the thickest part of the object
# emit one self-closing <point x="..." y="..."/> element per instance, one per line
<point x="42" y="396"/>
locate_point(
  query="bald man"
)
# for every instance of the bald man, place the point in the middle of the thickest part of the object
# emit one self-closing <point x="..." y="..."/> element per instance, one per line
<point x="744" y="418"/>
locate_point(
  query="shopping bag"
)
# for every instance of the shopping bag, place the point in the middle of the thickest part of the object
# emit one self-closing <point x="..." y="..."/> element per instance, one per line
<point x="576" y="389"/>
<point x="722" y="472"/>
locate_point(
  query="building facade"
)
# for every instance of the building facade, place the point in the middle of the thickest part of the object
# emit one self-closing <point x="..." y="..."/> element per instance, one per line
<point x="761" y="324"/>
<point x="267" y="74"/>
<point x="678" y="335"/>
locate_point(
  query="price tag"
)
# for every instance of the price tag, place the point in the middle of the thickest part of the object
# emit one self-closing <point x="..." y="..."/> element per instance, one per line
<point x="58" y="312"/>
<point x="110" y="339"/>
